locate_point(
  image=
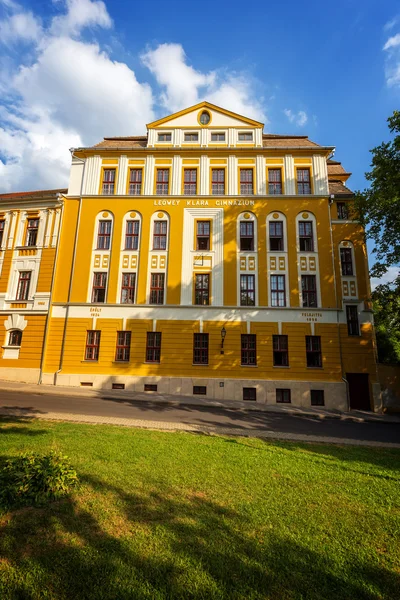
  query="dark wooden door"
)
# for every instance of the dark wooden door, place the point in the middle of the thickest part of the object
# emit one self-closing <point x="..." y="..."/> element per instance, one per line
<point x="359" y="391"/>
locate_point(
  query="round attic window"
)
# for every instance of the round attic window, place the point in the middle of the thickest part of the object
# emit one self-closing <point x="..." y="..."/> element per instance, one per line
<point x="205" y="118"/>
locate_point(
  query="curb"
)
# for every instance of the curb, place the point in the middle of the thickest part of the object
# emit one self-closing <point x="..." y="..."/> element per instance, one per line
<point x="186" y="427"/>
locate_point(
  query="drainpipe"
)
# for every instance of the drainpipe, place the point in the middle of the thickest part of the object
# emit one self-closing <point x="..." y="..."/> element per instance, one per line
<point x="72" y="272"/>
<point x="330" y="202"/>
<point x="46" y="327"/>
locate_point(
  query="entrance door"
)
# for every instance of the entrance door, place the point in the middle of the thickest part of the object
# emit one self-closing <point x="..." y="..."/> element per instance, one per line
<point x="359" y="391"/>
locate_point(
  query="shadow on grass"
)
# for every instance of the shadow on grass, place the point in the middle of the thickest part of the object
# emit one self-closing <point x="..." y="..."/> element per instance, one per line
<point x="165" y="546"/>
<point x="9" y="424"/>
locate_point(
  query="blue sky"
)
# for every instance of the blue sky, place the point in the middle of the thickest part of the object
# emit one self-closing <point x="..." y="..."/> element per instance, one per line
<point x="72" y="71"/>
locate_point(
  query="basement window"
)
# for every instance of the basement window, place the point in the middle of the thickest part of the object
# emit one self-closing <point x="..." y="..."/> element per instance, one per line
<point x="118" y="386"/>
<point x="86" y="384"/>
<point x="199" y="390"/>
<point x="150" y="387"/>
<point x="250" y="394"/>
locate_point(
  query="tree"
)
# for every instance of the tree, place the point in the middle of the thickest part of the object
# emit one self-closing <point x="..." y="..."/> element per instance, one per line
<point x="386" y="304"/>
<point x="378" y="207"/>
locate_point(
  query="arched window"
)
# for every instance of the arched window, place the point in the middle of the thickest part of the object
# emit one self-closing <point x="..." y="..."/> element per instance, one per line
<point x="15" y="337"/>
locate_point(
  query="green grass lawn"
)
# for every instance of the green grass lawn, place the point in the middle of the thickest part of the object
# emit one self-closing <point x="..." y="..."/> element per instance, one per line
<point x="178" y="515"/>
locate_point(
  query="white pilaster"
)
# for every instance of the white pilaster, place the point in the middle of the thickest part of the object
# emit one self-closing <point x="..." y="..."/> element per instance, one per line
<point x="258" y="138"/>
<point x="204" y="176"/>
<point x="13" y="218"/>
<point x="56" y="227"/>
<point x="176" y="175"/>
<point x="204" y="137"/>
<point x="320" y="173"/>
<point x="49" y="223"/>
<point x="232" y="176"/>
<point x="91" y="181"/>
<point x="260" y="176"/>
<point x="232" y="136"/>
<point x="290" y="187"/>
<point x="42" y="226"/>
<point x="122" y="175"/>
<point x="149" y="175"/>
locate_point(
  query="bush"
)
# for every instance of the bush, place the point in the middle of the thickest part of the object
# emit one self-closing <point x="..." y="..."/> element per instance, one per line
<point x="33" y="480"/>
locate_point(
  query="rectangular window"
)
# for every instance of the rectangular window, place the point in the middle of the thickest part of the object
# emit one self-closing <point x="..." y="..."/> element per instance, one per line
<point x="150" y="387"/>
<point x="247" y="236"/>
<point x="191" y="137"/>
<point x="306" y="237"/>
<point x="353" y="327"/>
<point x="132" y="235"/>
<point x="303" y="181"/>
<point x="346" y="261"/>
<point x="15" y="338"/>
<point x="313" y="351"/>
<point x="276" y="236"/>
<point x="283" y="396"/>
<point x="218" y="137"/>
<point x="281" y="350"/>
<point x="92" y="345"/>
<point x="164" y="137"/>
<point x="2" y="224"/>
<point x="24" y="281"/>
<point x="123" y="348"/>
<point x="250" y="394"/>
<point x="246" y="182"/>
<point x="162" y="183"/>
<point x="202" y="289"/>
<point x="218" y="182"/>
<point x="157" y="288"/>
<point x="309" y="290"/>
<point x="342" y="212"/>
<point x="274" y="181"/>
<point x="104" y="235"/>
<point x="247" y="290"/>
<point x="108" y="182"/>
<point x="278" y="290"/>
<point x="249" y="354"/>
<point x="135" y="182"/>
<point x="99" y="287"/>
<point x="117" y="386"/>
<point x="203" y="235"/>
<point x="153" y="347"/>
<point x="245" y="136"/>
<point x="160" y="235"/>
<point x="32" y="232"/>
<point x="199" y="390"/>
<point x="190" y="182"/>
<point x="128" y="288"/>
<point x="317" y="398"/>
<point x="200" y="349"/>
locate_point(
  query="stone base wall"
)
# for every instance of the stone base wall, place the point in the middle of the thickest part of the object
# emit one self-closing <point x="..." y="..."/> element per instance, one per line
<point x="22" y="375"/>
<point x="216" y="389"/>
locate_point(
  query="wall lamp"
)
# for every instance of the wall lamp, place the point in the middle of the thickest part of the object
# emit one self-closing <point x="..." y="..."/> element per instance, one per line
<point x="223" y="335"/>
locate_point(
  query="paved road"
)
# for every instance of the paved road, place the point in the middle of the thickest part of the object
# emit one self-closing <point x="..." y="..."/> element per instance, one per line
<point x="238" y="419"/>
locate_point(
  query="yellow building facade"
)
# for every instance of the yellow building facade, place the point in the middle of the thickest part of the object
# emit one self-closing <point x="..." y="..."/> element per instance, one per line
<point x="29" y="228"/>
<point x="210" y="258"/>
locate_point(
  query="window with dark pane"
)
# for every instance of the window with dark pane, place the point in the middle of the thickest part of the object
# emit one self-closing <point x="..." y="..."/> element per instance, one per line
<point x="92" y="345"/>
<point x="249" y="354"/>
<point x="123" y="348"/>
<point x="218" y="182"/>
<point x="162" y="182"/>
<point x="317" y="398"/>
<point x="135" y="182"/>
<point x="132" y="235"/>
<point x="353" y="327"/>
<point x="283" y="396"/>
<point x="250" y="394"/>
<point x="15" y="338"/>
<point x="276" y="236"/>
<point x="309" y="291"/>
<point x="200" y="349"/>
<point x="108" y="182"/>
<point x="99" y="287"/>
<point x="32" y="232"/>
<point x="160" y="235"/>
<point x="346" y="261"/>
<point x="190" y="182"/>
<point x="280" y="350"/>
<point x="313" y="351"/>
<point x="303" y="181"/>
<point x="246" y="182"/>
<point x="203" y="235"/>
<point x="274" y="181"/>
<point x="157" y="288"/>
<point x="128" y="288"/>
<point x="306" y="237"/>
<point x="24" y="281"/>
<point x="247" y="236"/>
<point x="202" y="289"/>
<point x="278" y="290"/>
<point x="342" y="211"/>
<point x="104" y="235"/>
<point x="153" y="346"/>
<point x="247" y="290"/>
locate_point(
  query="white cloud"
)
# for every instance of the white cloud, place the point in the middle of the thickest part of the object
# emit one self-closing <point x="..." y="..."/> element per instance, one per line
<point x="81" y="14"/>
<point x="390" y="24"/>
<point x="299" y="119"/>
<point x="392" y="60"/>
<point x="392" y="42"/>
<point x="389" y="276"/>
<point x="183" y="86"/>
<point x="20" y="26"/>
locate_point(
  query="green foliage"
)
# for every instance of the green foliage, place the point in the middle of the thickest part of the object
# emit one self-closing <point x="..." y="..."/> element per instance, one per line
<point x="378" y="207"/>
<point x="386" y="303"/>
<point x="33" y="480"/>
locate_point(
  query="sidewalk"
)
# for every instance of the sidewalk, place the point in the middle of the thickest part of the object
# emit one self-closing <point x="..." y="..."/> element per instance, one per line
<point x="170" y="400"/>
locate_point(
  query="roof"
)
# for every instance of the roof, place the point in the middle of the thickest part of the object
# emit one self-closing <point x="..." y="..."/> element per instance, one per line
<point x="122" y="142"/>
<point x="338" y="188"/>
<point x="336" y="168"/>
<point x="210" y="106"/>
<point x="287" y="141"/>
<point x="33" y="194"/>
